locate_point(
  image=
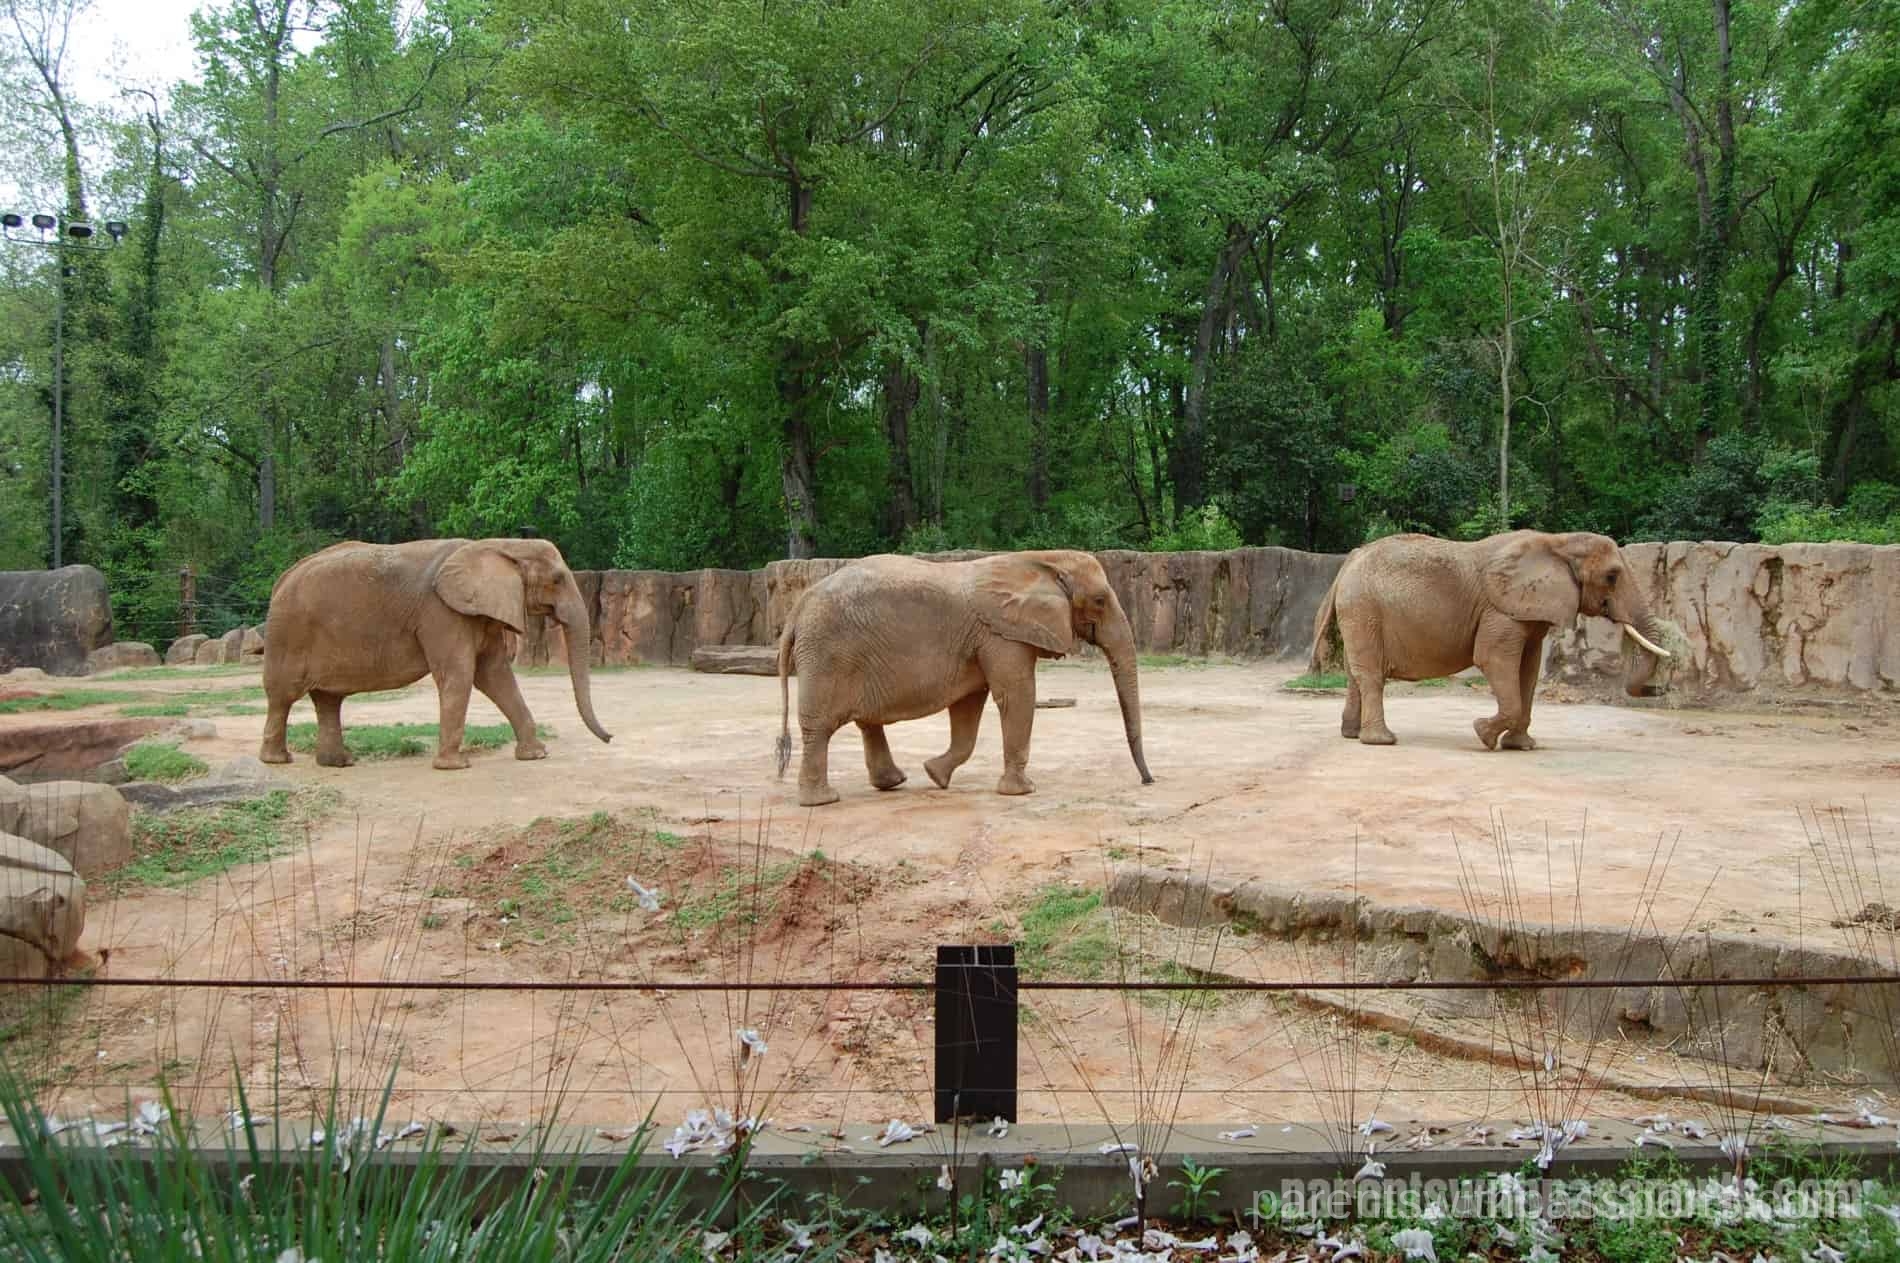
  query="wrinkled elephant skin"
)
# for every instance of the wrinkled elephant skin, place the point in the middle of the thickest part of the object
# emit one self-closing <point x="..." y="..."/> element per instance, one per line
<point x="893" y="638"/>
<point x="359" y="618"/>
<point x="1413" y="607"/>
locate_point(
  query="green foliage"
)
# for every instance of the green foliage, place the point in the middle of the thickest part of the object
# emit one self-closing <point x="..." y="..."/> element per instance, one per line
<point x="1063" y="935"/>
<point x="1870" y="516"/>
<point x="1206" y="528"/>
<point x="179" y="847"/>
<point x="76" y="700"/>
<point x="1740" y="479"/>
<point x="163" y="762"/>
<point x="1199" y="1187"/>
<point x="403" y="741"/>
<point x="1308" y="682"/>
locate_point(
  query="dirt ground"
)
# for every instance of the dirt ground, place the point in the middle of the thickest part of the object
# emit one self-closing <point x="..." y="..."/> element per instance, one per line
<point x="1736" y="821"/>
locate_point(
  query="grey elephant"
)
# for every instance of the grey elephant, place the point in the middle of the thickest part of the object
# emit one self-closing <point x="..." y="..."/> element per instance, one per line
<point x="1414" y="607"/>
<point x="891" y="638"/>
<point x="357" y="618"/>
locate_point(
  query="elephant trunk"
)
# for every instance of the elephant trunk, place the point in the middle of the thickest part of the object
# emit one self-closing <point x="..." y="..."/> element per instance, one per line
<point x="1631" y="611"/>
<point x="1116" y="639"/>
<point x="571" y="612"/>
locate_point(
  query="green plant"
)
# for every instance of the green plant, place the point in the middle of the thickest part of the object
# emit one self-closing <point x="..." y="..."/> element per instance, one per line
<point x="163" y="762"/>
<point x="1198" y="1189"/>
<point x="1205" y="529"/>
<point x="160" y="710"/>
<point x="76" y="700"/>
<point x="187" y="845"/>
<point x="401" y="741"/>
<point x="1325" y="680"/>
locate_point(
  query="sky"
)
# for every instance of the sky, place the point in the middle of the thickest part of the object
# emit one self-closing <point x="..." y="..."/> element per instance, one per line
<point x="142" y="43"/>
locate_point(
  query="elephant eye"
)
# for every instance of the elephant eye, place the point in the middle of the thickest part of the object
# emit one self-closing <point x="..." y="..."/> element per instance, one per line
<point x="1610" y="580"/>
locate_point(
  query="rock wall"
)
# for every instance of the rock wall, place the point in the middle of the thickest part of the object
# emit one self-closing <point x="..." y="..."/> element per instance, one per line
<point x="51" y="619"/>
<point x="1757" y="618"/>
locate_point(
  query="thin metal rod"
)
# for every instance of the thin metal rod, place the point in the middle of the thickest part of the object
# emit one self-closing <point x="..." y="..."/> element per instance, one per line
<point x="1502" y="984"/>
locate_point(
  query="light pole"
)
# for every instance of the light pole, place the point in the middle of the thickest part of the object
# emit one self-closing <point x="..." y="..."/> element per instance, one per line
<point x="77" y="235"/>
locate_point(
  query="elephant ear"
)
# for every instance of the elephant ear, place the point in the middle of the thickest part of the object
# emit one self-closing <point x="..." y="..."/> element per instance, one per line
<point x="1027" y="602"/>
<point x="1532" y="582"/>
<point x="480" y="579"/>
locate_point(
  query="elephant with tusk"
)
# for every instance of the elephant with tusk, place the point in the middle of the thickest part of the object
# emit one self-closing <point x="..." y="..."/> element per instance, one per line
<point x="358" y="618"/>
<point x="1413" y="607"/>
<point x="892" y="638"/>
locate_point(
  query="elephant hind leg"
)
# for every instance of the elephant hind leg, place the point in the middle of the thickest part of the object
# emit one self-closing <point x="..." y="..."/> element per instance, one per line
<point x="885" y="774"/>
<point x="814" y="778"/>
<point x="331" y="752"/>
<point x="966" y="716"/>
<point x="1368" y="687"/>
<point x="1349" y="717"/>
<point x="274" y="748"/>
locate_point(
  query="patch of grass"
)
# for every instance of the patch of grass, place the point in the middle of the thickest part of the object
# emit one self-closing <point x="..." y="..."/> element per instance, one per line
<point x="239" y="710"/>
<point x="76" y="700"/>
<point x="188" y="845"/>
<point x="219" y="697"/>
<point x="737" y="899"/>
<point x="179" y="673"/>
<point x="1066" y="934"/>
<point x="1168" y="660"/>
<point x="162" y="761"/>
<point x="401" y="741"/>
<point x="1439" y="683"/>
<point x="158" y="710"/>
<point x="1325" y="680"/>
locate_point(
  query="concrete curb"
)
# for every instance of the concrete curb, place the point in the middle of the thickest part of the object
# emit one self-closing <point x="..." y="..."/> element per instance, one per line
<point x="1089" y="1181"/>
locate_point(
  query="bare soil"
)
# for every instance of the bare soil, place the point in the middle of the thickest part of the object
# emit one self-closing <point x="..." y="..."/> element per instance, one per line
<point x="516" y="872"/>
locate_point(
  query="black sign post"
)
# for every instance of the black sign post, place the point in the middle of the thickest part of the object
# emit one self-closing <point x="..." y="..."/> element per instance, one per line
<point x="976" y="1032"/>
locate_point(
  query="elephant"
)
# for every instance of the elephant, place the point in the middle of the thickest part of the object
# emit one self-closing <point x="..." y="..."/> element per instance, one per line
<point x="890" y="638"/>
<point x="359" y="617"/>
<point x="1414" y="607"/>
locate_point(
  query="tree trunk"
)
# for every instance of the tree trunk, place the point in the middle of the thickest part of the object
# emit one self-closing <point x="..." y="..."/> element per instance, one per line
<point x="902" y="390"/>
<point x="1036" y="369"/>
<point x="1188" y="457"/>
<point x="798" y="468"/>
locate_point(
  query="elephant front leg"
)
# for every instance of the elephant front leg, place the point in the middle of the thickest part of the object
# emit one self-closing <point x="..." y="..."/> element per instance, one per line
<point x="1500" y="655"/>
<point x="1530" y="666"/>
<point x="452" y="685"/>
<point x="496" y="679"/>
<point x="331" y="752"/>
<point x="885" y="774"/>
<point x="1011" y="671"/>
<point x="966" y="716"/>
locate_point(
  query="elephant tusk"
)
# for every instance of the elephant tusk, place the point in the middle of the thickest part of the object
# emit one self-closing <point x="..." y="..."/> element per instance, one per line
<point x="1644" y="641"/>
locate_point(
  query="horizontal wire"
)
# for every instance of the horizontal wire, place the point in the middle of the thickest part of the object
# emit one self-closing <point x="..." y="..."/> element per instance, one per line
<point x="1003" y="991"/>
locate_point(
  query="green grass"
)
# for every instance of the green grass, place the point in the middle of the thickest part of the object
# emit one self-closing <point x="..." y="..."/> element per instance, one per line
<point x="1169" y="660"/>
<point x="1066" y="934"/>
<point x="158" y="710"/>
<point x="161" y="761"/>
<point x="76" y="700"/>
<point x="403" y="741"/>
<point x="1313" y="683"/>
<point x="191" y="844"/>
<point x="177" y="673"/>
<point x="742" y="897"/>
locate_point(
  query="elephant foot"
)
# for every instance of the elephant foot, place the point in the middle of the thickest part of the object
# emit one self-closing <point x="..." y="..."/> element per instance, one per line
<point x="890" y="778"/>
<point x="1519" y="741"/>
<point x="273" y="756"/>
<point x="1349" y="731"/>
<point x="1488" y="732"/>
<point x="527" y="753"/>
<point x="451" y="762"/>
<point x="817" y="796"/>
<point x="941" y="769"/>
<point x="332" y="758"/>
<point x="1015" y="783"/>
<point x="1377" y="737"/>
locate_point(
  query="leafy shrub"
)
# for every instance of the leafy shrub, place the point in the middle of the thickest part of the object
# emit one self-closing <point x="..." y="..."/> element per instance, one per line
<point x="1724" y="496"/>
<point x="1870" y="516"/>
<point x="1204" y="529"/>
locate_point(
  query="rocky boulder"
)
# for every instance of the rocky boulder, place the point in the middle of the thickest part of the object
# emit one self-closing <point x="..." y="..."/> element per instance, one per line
<point x="52" y="619"/>
<point x="89" y="825"/>
<point x="56" y="749"/>
<point x="119" y="656"/>
<point x="42" y="908"/>
<point x="184" y="651"/>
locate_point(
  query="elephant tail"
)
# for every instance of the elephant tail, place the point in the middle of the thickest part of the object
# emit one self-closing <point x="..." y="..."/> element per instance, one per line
<point x="785" y="639"/>
<point x="1324" y="624"/>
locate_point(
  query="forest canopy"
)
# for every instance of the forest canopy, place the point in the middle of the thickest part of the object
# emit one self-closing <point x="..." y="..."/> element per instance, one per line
<point x="681" y="283"/>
